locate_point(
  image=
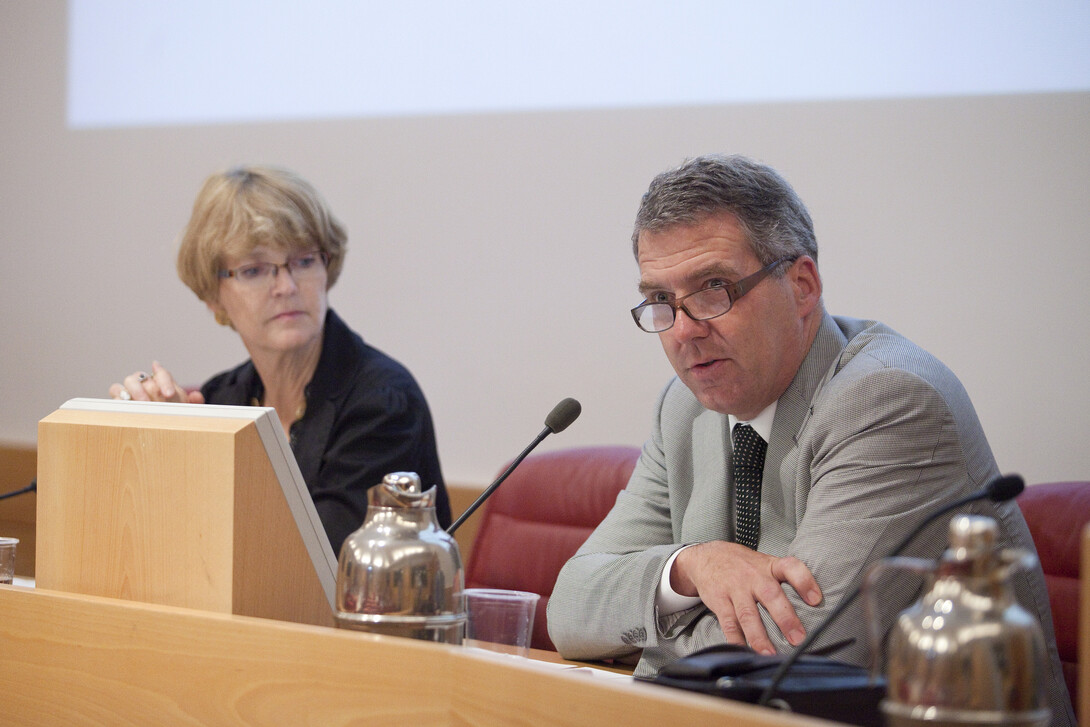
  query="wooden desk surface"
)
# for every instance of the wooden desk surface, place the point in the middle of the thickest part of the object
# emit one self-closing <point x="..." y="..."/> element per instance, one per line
<point x="85" y="660"/>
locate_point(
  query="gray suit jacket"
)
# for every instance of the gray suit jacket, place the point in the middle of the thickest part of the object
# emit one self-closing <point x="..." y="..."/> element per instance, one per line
<point x="872" y="435"/>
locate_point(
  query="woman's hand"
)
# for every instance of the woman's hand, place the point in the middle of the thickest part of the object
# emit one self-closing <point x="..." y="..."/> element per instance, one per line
<point x="159" y="385"/>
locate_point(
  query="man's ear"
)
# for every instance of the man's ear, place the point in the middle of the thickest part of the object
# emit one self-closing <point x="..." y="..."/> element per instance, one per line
<point x="807" y="284"/>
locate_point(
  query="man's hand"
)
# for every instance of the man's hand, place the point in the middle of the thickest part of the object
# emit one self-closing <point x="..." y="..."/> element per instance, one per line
<point x="731" y="580"/>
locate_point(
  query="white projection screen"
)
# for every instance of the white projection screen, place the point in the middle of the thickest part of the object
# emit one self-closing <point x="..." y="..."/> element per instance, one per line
<point x="487" y="159"/>
<point x="209" y="61"/>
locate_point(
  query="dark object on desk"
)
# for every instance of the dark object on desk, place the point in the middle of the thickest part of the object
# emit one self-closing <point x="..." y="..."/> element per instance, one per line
<point x="816" y="686"/>
<point x="999" y="489"/>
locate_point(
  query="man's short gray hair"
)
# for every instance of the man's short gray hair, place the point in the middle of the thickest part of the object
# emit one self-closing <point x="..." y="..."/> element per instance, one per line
<point x="768" y="210"/>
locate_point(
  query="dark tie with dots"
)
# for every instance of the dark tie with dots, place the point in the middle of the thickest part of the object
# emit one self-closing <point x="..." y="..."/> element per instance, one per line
<point x="749" y="464"/>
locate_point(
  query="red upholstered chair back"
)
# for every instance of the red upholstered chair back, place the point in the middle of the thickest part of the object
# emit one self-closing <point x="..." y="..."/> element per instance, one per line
<point x="536" y="520"/>
<point x="1056" y="513"/>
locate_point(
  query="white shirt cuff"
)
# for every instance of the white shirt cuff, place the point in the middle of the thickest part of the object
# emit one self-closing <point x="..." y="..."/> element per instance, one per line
<point x="667" y="600"/>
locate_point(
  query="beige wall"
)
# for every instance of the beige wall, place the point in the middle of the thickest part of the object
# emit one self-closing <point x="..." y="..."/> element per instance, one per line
<point x="490" y="253"/>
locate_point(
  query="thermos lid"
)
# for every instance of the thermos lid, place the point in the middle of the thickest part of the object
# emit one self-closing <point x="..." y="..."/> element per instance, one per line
<point x="401" y="490"/>
<point x="972" y="536"/>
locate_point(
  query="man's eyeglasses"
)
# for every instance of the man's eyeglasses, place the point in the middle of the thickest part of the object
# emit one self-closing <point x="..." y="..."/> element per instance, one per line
<point x="659" y="315"/>
<point x="307" y="266"/>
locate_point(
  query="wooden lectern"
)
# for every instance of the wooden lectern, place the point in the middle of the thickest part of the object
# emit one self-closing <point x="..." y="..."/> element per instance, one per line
<point x="182" y="505"/>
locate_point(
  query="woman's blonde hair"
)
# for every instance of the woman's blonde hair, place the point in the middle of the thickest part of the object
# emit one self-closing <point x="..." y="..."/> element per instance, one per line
<point x="244" y="207"/>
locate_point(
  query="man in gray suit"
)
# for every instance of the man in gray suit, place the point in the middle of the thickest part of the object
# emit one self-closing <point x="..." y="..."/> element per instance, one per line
<point x="861" y="433"/>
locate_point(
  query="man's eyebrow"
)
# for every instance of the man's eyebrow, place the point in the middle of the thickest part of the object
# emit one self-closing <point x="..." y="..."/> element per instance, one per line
<point x="718" y="270"/>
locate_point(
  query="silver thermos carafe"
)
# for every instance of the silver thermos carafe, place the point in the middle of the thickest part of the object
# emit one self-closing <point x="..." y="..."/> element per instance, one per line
<point x="966" y="653"/>
<point x="401" y="574"/>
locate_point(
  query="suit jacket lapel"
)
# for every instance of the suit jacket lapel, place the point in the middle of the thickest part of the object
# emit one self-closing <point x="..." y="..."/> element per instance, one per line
<point x="712" y="496"/>
<point x="792" y="412"/>
<point x="711" y="501"/>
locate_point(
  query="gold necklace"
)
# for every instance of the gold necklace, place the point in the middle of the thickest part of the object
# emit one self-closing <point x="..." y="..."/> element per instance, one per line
<point x="299" y="410"/>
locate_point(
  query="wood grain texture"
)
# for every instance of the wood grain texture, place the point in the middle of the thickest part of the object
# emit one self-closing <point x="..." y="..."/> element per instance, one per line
<point x="85" y="660"/>
<point x="175" y="510"/>
<point x="71" y="659"/>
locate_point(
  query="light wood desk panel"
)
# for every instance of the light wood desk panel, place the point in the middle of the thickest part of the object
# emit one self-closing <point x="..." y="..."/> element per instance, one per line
<point x="86" y="660"/>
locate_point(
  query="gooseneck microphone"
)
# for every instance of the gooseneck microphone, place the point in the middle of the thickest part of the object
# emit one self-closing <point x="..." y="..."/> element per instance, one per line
<point x="998" y="490"/>
<point x="32" y="487"/>
<point x="559" y="419"/>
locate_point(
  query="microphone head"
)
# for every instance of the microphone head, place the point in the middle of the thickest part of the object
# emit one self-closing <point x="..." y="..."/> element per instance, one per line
<point x="562" y="415"/>
<point x="1005" y="488"/>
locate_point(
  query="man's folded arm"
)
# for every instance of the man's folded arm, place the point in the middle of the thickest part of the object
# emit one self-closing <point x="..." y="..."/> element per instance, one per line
<point x="872" y="480"/>
<point x="603" y="602"/>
